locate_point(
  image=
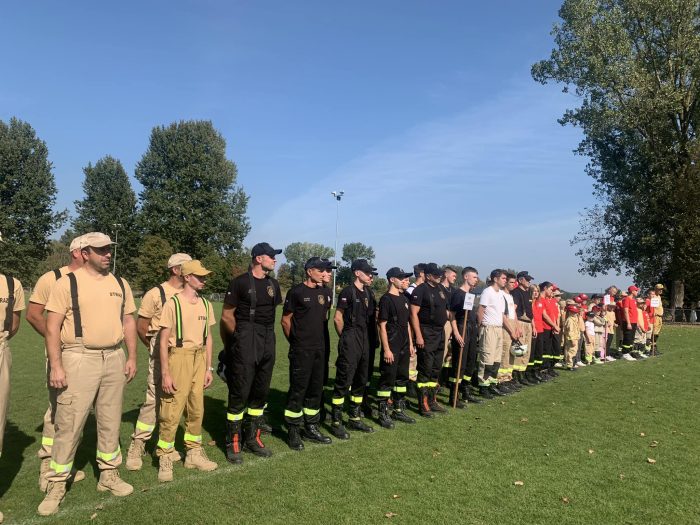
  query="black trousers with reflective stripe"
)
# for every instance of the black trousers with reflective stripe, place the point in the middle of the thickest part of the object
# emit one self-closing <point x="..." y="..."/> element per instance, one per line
<point x="556" y="349"/>
<point x="538" y="344"/>
<point x="396" y="373"/>
<point x="628" y="337"/>
<point x="250" y="361"/>
<point x="327" y="353"/>
<point x="305" y="385"/>
<point x="470" y="353"/>
<point x="430" y="356"/>
<point x="351" y="364"/>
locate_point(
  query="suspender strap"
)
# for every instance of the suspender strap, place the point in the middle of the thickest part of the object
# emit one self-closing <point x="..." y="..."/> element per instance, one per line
<point x="121" y="285"/>
<point x="178" y="322"/>
<point x="162" y="294"/>
<point x="57" y="273"/>
<point x="77" y="322"/>
<point x="206" y="320"/>
<point x="10" y="303"/>
<point x="253" y="297"/>
<point x="353" y="316"/>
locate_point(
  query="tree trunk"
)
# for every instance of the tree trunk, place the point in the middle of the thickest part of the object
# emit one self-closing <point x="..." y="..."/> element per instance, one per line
<point x="677" y="298"/>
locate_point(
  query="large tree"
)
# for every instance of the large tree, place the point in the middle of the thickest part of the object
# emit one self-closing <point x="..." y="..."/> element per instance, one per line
<point x="635" y="67"/>
<point x="189" y="195"/>
<point x="27" y="198"/>
<point x="297" y="253"/>
<point x="352" y="251"/>
<point x="109" y="206"/>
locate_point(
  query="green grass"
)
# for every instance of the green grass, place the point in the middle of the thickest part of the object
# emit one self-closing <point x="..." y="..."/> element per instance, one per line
<point x="579" y="445"/>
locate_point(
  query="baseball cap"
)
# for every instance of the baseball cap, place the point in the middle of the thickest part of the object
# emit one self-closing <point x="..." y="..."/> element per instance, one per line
<point x="398" y="273"/>
<point x="95" y="240"/>
<point x="556" y="292"/>
<point x="660" y="286"/>
<point x="584" y="297"/>
<point x="263" y="248"/>
<point x="577" y="299"/>
<point x="433" y="269"/>
<point x="363" y="266"/>
<point x="572" y="308"/>
<point x="526" y="275"/>
<point x="319" y="263"/>
<point x="75" y="243"/>
<point x="178" y="259"/>
<point x="632" y="288"/>
<point x="570" y="302"/>
<point x="555" y="287"/>
<point x="195" y="267"/>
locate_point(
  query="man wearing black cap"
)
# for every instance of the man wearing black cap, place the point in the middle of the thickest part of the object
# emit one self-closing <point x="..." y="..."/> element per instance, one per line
<point x="522" y="297"/>
<point x="305" y="312"/>
<point x="428" y="318"/>
<point x="247" y="329"/>
<point x="397" y="347"/>
<point x="419" y="273"/>
<point x="351" y="320"/>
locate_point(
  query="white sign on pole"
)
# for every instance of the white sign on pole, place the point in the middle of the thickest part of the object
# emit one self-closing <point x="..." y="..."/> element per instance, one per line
<point x="655" y="302"/>
<point x="468" y="301"/>
<point x="606" y="299"/>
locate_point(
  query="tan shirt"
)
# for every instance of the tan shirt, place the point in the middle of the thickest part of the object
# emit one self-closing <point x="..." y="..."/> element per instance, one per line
<point x="5" y="297"/>
<point x="572" y="330"/>
<point x="193" y="322"/>
<point x="42" y="288"/>
<point x="151" y="306"/>
<point x="100" y="303"/>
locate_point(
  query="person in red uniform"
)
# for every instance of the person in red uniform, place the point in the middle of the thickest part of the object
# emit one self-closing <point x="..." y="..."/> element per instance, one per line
<point x="551" y="316"/>
<point x="629" y="323"/>
<point x="538" y="336"/>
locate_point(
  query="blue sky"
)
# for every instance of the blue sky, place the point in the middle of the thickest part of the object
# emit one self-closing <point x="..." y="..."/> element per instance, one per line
<point x="424" y="113"/>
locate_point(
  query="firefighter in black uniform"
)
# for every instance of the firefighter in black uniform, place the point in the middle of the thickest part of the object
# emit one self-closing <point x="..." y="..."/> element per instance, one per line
<point x="373" y="337"/>
<point x="397" y="348"/>
<point x="247" y="329"/>
<point x="428" y="318"/>
<point x="351" y="319"/>
<point x="305" y="312"/>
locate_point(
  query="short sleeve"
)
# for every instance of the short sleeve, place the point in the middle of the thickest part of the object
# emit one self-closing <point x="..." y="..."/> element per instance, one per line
<point x="278" y="293"/>
<point x="129" y="304"/>
<point x="344" y="299"/>
<point x="148" y="304"/>
<point x="384" y="308"/>
<point x="59" y="298"/>
<point x="289" y="301"/>
<point x="19" y="297"/>
<point x="42" y="289"/>
<point x="167" y="318"/>
<point x="417" y="296"/>
<point x="212" y="317"/>
<point x="231" y="298"/>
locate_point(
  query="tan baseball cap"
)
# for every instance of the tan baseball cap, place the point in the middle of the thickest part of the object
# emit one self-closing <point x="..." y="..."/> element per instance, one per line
<point x="195" y="267"/>
<point x="177" y="259"/>
<point x="75" y="243"/>
<point x="660" y="286"/>
<point x="95" y="240"/>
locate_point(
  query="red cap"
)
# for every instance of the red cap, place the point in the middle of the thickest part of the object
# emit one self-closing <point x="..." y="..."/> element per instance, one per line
<point x="596" y="308"/>
<point x="584" y="297"/>
<point x="555" y="287"/>
<point x="577" y="299"/>
<point x="632" y="288"/>
<point x="572" y="308"/>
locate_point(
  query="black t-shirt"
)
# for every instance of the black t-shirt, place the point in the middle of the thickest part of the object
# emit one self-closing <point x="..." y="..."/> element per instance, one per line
<point x="394" y="310"/>
<point x="457" y="306"/>
<point x="523" y="302"/>
<point x="448" y="291"/>
<point x="361" y="308"/>
<point x="268" y="296"/>
<point x="433" y="304"/>
<point x="309" y="308"/>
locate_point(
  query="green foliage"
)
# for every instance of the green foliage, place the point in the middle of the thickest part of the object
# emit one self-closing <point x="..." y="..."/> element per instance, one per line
<point x="379" y="286"/>
<point x="351" y="252"/>
<point x="297" y="253"/>
<point x="109" y="206"/>
<point x="635" y="67"/>
<point x="58" y="256"/>
<point x="189" y="195"/>
<point x="224" y="268"/>
<point x="27" y="197"/>
<point x="284" y="276"/>
<point x="151" y="264"/>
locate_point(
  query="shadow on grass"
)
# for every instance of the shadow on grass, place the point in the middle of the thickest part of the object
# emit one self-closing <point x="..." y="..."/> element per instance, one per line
<point x="16" y="442"/>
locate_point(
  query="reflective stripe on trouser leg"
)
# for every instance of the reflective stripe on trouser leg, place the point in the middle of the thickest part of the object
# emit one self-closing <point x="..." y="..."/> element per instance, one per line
<point x="351" y="366"/>
<point x="5" y="367"/>
<point x="490" y="350"/>
<point x="430" y="356"/>
<point x="520" y="363"/>
<point x="47" y="428"/>
<point x="393" y="377"/>
<point x="146" y="420"/>
<point x="305" y="386"/>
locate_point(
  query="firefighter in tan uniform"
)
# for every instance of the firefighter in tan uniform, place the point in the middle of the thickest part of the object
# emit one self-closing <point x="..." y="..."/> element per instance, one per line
<point x="147" y="327"/>
<point x="36" y="317"/>
<point x="11" y="306"/>
<point x="658" y="317"/>
<point x="185" y="363"/>
<point x="89" y="316"/>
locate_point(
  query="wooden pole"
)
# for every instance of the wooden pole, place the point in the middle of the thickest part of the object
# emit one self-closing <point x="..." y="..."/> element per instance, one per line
<point x="459" y="360"/>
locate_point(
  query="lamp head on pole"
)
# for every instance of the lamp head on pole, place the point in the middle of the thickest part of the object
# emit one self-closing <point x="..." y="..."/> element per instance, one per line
<point x="337" y="194"/>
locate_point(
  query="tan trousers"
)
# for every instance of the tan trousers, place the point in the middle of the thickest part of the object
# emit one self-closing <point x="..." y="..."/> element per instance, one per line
<point x="447" y="352"/>
<point x="146" y="421"/>
<point x="94" y="377"/>
<point x="570" y="349"/>
<point x="506" y="368"/>
<point x="413" y="367"/>
<point x="520" y="363"/>
<point x="658" y="323"/>
<point x="5" y="366"/>
<point x="47" y="430"/>
<point x="187" y="368"/>
<point x="490" y="350"/>
<point x="590" y="350"/>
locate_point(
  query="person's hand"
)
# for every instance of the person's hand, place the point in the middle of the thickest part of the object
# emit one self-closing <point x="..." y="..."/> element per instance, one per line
<point x="419" y="341"/>
<point x="388" y="357"/>
<point x="168" y="384"/>
<point x="412" y="350"/>
<point x="208" y="378"/>
<point x="459" y="339"/>
<point x="629" y="326"/>
<point x="57" y="377"/>
<point x="130" y="369"/>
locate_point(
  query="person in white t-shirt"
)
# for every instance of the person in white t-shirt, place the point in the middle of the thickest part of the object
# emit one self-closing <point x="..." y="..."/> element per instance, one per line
<point x="491" y="316"/>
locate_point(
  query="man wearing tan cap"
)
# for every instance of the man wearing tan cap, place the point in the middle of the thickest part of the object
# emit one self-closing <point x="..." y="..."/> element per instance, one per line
<point x="658" y="315"/>
<point x="147" y="326"/>
<point x="36" y="318"/>
<point x="185" y="346"/>
<point x="89" y="316"/>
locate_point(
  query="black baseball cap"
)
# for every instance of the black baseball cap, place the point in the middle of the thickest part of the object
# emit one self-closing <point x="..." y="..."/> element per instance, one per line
<point x="525" y="274"/>
<point x="363" y="266"/>
<point x="263" y="248"/>
<point x="319" y="263"/>
<point x="433" y="269"/>
<point x="398" y="273"/>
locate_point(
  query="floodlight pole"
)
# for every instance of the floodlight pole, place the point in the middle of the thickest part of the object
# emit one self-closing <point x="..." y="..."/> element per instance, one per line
<point x="116" y="227"/>
<point x="337" y="195"/>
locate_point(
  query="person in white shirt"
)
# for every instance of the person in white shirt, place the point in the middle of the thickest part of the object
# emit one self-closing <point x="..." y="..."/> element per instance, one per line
<point x="491" y="316"/>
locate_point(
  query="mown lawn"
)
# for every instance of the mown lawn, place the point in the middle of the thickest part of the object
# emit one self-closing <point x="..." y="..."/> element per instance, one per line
<point x="615" y="443"/>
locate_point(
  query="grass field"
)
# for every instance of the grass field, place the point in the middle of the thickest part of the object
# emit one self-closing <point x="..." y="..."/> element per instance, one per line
<point x="580" y="447"/>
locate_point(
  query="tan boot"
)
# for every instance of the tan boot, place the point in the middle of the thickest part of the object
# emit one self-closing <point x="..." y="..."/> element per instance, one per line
<point x="45" y="468"/>
<point x="54" y="495"/>
<point x="110" y="481"/>
<point x="1" y="517"/>
<point x="137" y="448"/>
<point x="165" y="468"/>
<point x="175" y="456"/>
<point x="197" y="458"/>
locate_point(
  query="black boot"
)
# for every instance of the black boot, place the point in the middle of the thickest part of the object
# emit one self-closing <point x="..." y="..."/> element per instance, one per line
<point x="433" y="403"/>
<point x="399" y="412"/>
<point x="496" y="391"/>
<point x="264" y="426"/>
<point x="366" y="407"/>
<point x="424" y="403"/>
<point x="310" y="432"/>
<point x="531" y="375"/>
<point x="411" y="390"/>
<point x="459" y="403"/>
<point x="233" y="442"/>
<point x="383" y="418"/>
<point x="485" y="392"/>
<point x="445" y="377"/>
<point x="522" y="378"/>
<point x="252" y="438"/>
<point x="355" y="420"/>
<point x="467" y="394"/>
<point x="337" y="427"/>
<point x="294" y="438"/>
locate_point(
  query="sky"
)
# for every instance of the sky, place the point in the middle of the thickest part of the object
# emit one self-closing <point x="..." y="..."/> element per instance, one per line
<point x="423" y="113"/>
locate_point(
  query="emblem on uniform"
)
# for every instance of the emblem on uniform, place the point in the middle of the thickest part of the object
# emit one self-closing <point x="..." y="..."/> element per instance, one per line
<point x="406" y="305"/>
<point x="366" y="302"/>
<point x="442" y="295"/>
<point x="270" y="291"/>
<point x="321" y="299"/>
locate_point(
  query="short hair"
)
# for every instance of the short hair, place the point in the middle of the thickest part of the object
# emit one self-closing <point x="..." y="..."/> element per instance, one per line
<point x="510" y="275"/>
<point x="418" y="269"/>
<point x="468" y="269"/>
<point x="448" y="269"/>
<point x="495" y="274"/>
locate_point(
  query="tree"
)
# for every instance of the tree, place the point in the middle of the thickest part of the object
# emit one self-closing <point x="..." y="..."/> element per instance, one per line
<point x="635" y="65"/>
<point x="151" y="263"/>
<point x="351" y="252"/>
<point x="189" y="195"/>
<point x="225" y="268"/>
<point x="284" y="276"/>
<point x="297" y="253"/>
<point x="109" y="206"/>
<point x="27" y="197"/>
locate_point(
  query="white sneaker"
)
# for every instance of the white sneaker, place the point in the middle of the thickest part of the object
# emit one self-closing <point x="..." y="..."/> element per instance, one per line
<point x="642" y="356"/>
<point x="610" y="358"/>
<point x="558" y="365"/>
<point x="628" y="357"/>
<point x="581" y="364"/>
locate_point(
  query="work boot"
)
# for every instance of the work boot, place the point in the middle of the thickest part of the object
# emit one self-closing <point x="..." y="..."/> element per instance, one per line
<point x="165" y="469"/>
<point x="197" y="458"/>
<point x="459" y="403"/>
<point x="411" y="390"/>
<point x="531" y="375"/>
<point x="495" y="391"/>
<point x="524" y="380"/>
<point x="383" y="418"/>
<point x="337" y="427"/>
<point x="552" y="372"/>
<point x="355" y="420"/>
<point x="110" y="481"/>
<point x="366" y="407"/>
<point x="468" y="396"/>
<point x="444" y="376"/>
<point x="253" y="442"/>
<point x="294" y="438"/>
<point x="433" y="403"/>
<point x="45" y="468"/>
<point x="424" y="403"/>
<point x="55" y="492"/>
<point x="311" y="432"/>
<point x="264" y="426"/>
<point x="399" y="412"/>
<point x="137" y="448"/>
<point x="485" y="392"/>
<point x="514" y="385"/>
<point x="233" y="442"/>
